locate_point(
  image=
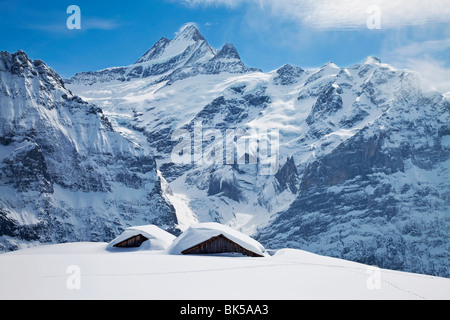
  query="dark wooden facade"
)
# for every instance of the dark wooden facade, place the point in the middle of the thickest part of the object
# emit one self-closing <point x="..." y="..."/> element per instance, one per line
<point x="134" y="242"/>
<point x="219" y="244"/>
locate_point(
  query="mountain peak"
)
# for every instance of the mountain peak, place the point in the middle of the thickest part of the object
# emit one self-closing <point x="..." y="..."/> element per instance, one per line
<point x="21" y="53"/>
<point x="20" y="64"/>
<point x="228" y="51"/>
<point x="372" y="60"/>
<point x="20" y="56"/>
<point x="156" y="51"/>
<point x="288" y="74"/>
<point x="188" y="32"/>
<point x="187" y="55"/>
<point x="165" y="48"/>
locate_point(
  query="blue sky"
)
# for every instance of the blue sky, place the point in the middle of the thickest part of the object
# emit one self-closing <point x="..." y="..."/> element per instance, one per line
<point x="267" y="33"/>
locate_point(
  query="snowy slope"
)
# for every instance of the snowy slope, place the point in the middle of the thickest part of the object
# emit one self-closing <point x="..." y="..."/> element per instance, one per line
<point x="50" y="272"/>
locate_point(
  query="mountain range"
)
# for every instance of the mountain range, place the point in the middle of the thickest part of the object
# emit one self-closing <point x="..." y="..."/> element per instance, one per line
<point x="362" y="154"/>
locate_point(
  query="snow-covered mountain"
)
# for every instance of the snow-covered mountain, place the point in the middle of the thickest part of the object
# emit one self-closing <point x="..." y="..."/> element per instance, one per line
<point x="363" y="152"/>
<point x="187" y="55"/>
<point x="65" y="174"/>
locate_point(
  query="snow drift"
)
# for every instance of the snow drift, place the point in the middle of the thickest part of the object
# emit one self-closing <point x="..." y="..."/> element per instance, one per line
<point x="158" y="239"/>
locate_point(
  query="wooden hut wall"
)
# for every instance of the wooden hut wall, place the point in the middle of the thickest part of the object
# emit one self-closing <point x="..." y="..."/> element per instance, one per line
<point x="219" y="244"/>
<point x="134" y="242"/>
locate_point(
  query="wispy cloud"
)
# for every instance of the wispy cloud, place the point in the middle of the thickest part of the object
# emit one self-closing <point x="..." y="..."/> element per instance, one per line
<point x="87" y="23"/>
<point x="228" y="3"/>
<point x="343" y="14"/>
<point x="427" y="58"/>
<point x="435" y="71"/>
<point x="100" y="24"/>
<point x="423" y="48"/>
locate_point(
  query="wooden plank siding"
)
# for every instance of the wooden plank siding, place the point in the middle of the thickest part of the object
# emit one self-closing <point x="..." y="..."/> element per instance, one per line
<point x="134" y="242"/>
<point x="219" y="244"/>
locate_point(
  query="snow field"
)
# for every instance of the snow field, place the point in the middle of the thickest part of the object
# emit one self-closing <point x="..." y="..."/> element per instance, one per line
<point x="42" y="273"/>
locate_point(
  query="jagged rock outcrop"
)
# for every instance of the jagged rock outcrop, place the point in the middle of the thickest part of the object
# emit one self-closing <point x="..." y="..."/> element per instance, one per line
<point x="288" y="75"/>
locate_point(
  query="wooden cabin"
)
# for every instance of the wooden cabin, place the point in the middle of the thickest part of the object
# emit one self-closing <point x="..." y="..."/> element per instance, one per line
<point x="219" y="244"/>
<point x="135" y="237"/>
<point x="133" y="242"/>
<point x="215" y="238"/>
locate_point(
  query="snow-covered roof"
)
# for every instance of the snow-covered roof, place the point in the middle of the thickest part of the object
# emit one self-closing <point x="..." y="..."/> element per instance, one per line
<point x="158" y="239"/>
<point x="202" y="232"/>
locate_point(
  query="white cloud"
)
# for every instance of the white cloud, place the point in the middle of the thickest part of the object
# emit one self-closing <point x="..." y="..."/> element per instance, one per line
<point x="87" y="23"/>
<point x="344" y="14"/>
<point x="434" y="71"/>
<point x="423" y="57"/>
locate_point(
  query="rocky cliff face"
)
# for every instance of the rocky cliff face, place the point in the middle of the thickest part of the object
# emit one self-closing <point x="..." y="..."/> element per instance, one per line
<point x="65" y="174"/>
